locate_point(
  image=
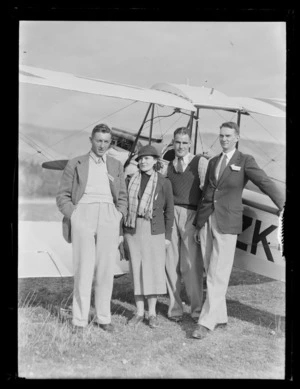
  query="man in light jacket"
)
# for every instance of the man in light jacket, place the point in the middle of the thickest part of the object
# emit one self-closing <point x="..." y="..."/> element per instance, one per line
<point x="93" y="199"/>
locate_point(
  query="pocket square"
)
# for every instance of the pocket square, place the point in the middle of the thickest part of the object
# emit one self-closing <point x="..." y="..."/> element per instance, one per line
<point x="235" y="168"/>
<point x="110" y="177"/>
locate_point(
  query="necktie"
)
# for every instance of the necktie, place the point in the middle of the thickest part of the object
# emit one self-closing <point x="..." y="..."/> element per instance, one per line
<point x="179" y="165"/>
<point x="223" y="166"/>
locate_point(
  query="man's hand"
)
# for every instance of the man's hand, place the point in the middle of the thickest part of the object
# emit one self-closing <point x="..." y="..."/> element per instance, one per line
<point x="168" y="243"/>
<point x="197" y="236"/>
<point x="121" y="239"/>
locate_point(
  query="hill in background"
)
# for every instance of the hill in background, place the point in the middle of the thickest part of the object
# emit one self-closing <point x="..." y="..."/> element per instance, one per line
<point x="37" y="145"/>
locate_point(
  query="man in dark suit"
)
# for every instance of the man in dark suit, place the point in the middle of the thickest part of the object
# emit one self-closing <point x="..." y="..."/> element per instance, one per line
<point x="93" y="199"/>
<point x="219" y="220"/>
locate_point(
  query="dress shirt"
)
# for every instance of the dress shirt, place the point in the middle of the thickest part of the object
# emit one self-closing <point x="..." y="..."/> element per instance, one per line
<point x="228" y="156"/>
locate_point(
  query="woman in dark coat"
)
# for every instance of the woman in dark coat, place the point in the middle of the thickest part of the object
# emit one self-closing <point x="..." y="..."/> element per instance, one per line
<point x="147" y="232"/>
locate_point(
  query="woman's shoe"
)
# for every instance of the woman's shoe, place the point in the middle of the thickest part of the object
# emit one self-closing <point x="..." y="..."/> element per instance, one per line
<point x="153" y="321"/>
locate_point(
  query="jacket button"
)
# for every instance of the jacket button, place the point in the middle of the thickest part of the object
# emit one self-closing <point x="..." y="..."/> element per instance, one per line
<point x="215" y="201"/>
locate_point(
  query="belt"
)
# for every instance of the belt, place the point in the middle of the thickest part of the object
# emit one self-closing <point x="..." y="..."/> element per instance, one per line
<point x="140" y="216"/>
<point x="193" y="207"/>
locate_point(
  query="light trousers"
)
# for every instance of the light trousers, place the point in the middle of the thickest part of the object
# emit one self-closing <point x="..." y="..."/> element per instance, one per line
<point x="95" y="238"/>
<point x="184" y="259"/>
<point x="218" y="254"/>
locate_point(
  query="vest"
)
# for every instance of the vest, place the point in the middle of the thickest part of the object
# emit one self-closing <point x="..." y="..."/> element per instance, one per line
<point x="186" y="185"/>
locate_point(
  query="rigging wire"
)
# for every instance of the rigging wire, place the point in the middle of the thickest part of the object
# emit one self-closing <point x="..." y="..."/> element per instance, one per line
<point x="211" y="146"/>
<point x="162" y="116"/>
<point x="30" y="142"/>
<point x="199" y="135"/>
<point x="223" y="116"/>
<point x="270" y="133"/>
<point x="270" y="159"/>
<point x="180" y="117"/>
<point x="218" y="113"/>
<point x="83" y="129"/>
<point x="273" y="159"/>
<point x="259" y="148"/>
<point x="159" y="121"/>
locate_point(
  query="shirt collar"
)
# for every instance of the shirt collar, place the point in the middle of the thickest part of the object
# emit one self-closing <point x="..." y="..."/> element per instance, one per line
<point x="96" y="158"/>
<point x="230" y="154"/>
<point x="186" y="159"/>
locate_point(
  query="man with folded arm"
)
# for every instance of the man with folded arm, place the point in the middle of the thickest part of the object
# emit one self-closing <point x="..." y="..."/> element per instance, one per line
<point x="219" y="220"/>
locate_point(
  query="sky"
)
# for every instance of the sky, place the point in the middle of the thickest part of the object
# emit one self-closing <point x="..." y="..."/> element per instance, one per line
<point x="236" y="58"/>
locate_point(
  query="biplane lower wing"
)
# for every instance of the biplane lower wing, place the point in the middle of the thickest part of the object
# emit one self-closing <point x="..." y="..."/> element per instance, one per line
<point x="43" y="252"/>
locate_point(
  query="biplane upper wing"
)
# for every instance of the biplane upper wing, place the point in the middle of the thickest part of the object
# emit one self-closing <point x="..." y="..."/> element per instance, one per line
<point x="270" y="107"/>
<point x="210" y="98"/>
<point x="38" y="76"/>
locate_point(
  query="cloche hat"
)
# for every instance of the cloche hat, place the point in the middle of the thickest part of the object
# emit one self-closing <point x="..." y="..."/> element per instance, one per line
<point x="147" y="150"/>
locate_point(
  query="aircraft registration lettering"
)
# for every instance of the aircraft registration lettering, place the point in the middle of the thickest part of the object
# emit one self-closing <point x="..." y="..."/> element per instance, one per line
<point x="258" y="246"/>
<point x="257" y="237"/>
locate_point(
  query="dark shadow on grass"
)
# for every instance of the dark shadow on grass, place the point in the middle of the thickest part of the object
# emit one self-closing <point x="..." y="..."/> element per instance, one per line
<point x="243" y="277"/>
<point x="123" y="289"/>
<point x="187" y="325"/>
<point x="254" y="315"/>
<point x="235" y="309"/>
<point x="45" y="291"/>
<point x="162" y="306"/>
<point x="119" y="309"/>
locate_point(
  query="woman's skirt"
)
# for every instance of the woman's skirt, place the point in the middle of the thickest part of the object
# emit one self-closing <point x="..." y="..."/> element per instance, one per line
<point x="147" y="259"/>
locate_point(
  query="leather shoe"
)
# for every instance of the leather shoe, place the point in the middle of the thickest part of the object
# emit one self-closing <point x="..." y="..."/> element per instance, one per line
<point x="153" y="321"/>
<point x="106" y="327"/>
<point x="77" y="330"/>
<point x="135" y="320"/>
<point x="221" y="325"/>
<point x="176" y="319"/>
<point x="200" y="332"/>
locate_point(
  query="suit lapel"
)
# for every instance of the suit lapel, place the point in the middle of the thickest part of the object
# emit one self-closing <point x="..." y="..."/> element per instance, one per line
<point x="112" y="173"/>
<point x="109" y="166"/>
<point x="234" y="159"/>
<point x="82" y="170"/>
<point x="214" y="167"/>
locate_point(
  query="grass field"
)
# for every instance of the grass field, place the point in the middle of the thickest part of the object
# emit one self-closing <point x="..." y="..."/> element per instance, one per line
<point x="251" y="346"/>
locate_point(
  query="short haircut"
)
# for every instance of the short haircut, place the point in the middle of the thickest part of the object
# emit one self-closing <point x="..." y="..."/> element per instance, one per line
<point x="182" y="131"/>
<point x="231" y="125"/>
<point x="101" y="128"/>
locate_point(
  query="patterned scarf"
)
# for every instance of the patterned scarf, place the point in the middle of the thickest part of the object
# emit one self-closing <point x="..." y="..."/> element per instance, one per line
<point x="146" y="202"/>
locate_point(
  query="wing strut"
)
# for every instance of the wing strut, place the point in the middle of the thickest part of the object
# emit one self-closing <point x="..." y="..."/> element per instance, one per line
<point x="151" y="127"/>
<point x="196" y="131"/>
<point x="136" y="139"/>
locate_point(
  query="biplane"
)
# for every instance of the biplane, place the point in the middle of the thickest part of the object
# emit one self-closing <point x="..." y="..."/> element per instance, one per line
<point x="259" y="246"/>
